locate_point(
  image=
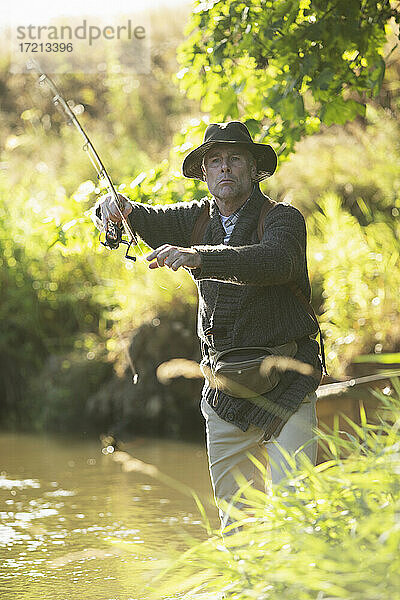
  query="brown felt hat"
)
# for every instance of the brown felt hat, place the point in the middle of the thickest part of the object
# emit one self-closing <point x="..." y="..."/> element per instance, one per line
<point x="233" y="132"/>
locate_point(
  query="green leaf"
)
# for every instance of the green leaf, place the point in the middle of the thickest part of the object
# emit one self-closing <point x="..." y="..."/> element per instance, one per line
<point x="376" y="76"/>
<point x="324" y="79"/>
<point x="253" y="126"/>
<point x="219" y="51"/>
<point x="291" y="107"/>
<point x="340" y="111"/>
<point x="227" y="105"/>
<point x="60" y="237"/>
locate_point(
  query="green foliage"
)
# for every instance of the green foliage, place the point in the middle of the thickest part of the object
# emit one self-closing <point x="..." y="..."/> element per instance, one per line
<point x="329" y="531"/>
<point x="48" y="298"/>
<point x="358" y="163"/>
<point x="285" y="65"/>
<point x="355" y="266"/>
<point x="65" y="300"/>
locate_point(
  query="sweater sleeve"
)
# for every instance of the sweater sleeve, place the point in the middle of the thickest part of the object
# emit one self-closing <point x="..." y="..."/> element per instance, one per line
<point x="277" y="259"/>
<point x="165" y="224"/>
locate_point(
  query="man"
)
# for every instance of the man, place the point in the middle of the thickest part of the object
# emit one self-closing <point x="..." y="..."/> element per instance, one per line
<point x="247" y="299"/>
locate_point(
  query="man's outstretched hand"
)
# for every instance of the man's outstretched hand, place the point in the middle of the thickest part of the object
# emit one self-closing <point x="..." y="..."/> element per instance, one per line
<point x="174" y="257"/>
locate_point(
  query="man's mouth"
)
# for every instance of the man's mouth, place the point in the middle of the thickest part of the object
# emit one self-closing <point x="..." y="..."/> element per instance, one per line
<point x="226" y="181"/>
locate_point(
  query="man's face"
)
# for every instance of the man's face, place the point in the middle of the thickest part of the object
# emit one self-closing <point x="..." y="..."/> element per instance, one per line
<point x="229" y="171"/>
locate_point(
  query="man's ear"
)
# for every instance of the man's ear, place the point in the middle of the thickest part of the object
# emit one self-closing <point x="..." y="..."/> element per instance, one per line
<point x="253" y="166"/>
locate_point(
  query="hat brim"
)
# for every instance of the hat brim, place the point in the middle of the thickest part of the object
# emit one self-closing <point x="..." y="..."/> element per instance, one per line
<point x="264" y="154"/>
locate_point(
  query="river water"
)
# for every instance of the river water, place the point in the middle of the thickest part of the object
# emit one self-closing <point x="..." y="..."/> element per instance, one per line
<point x="75" y="526"/>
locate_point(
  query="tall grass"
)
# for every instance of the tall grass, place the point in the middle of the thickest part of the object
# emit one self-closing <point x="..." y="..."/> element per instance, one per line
<point x="326" y="532"/>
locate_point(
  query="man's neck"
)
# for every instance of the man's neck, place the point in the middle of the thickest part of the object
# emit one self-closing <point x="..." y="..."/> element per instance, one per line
<point x="228" y="206"/>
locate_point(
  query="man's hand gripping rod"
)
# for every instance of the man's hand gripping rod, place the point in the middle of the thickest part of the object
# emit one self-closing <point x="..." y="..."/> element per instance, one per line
<point x="113" y="232"/>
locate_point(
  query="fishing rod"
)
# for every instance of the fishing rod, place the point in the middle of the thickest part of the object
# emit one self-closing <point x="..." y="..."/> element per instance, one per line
<point x="338" y="387"/>
<point x="113" y="231"/>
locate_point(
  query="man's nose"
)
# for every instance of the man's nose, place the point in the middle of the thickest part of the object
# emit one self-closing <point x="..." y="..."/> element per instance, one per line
<point x="225" y="165"/>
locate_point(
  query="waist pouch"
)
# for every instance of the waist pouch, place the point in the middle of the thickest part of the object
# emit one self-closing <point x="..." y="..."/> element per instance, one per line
<point x="236" y="372"/>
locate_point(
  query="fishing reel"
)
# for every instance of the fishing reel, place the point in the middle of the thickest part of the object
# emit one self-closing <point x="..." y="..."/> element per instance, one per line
<point x="113" y="238"/>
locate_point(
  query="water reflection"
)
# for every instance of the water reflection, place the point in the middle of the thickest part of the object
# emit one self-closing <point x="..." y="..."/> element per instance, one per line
<point x="63" y="505"/>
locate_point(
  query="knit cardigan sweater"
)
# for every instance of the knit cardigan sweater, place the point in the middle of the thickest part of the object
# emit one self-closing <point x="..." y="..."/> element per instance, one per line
<point x="244" y="299"/>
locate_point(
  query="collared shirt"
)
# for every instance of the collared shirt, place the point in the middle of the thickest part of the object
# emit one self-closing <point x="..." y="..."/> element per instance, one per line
<point x="228" y="223"/>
